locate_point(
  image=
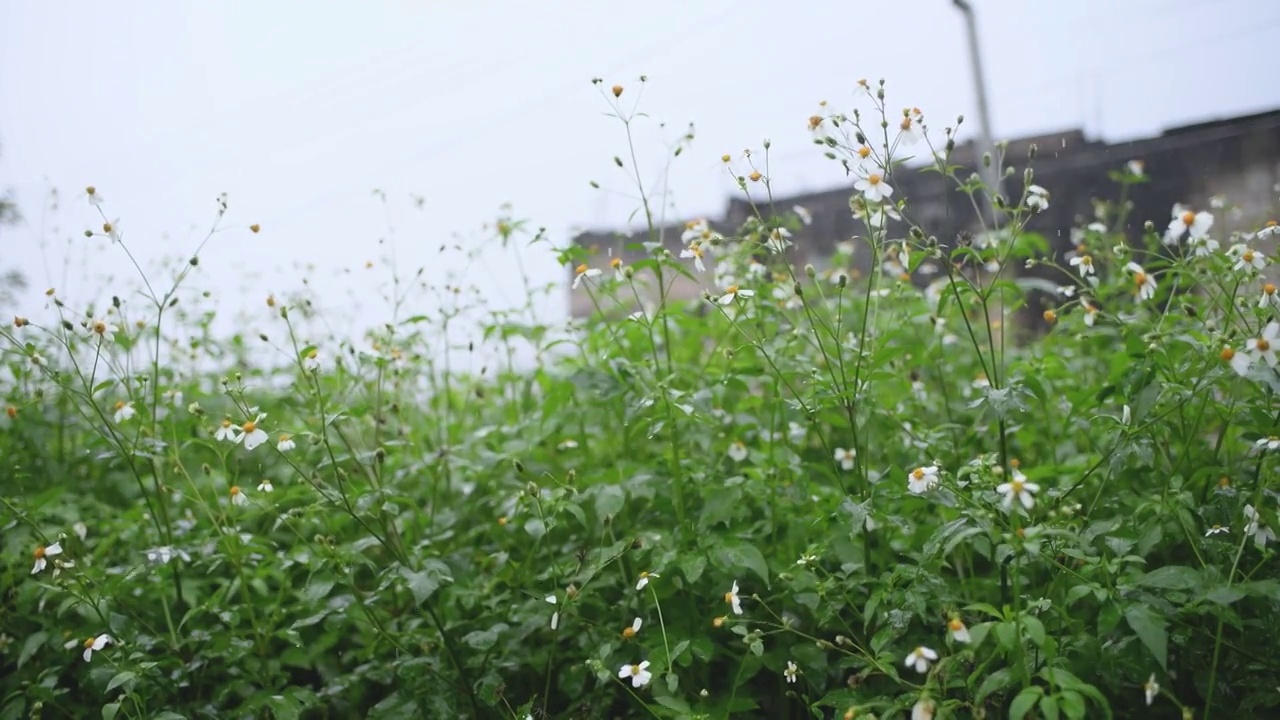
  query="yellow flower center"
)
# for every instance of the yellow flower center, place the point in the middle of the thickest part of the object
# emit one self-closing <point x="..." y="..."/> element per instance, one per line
<point x="39" y="553"/>
<point x="864" y="152"/>
<point x="1269" y="289"/>
<point x="755" y="176"/>
<point x="955" y="625"/>
<point x="1188" y="218"/>
<point x="1247" y="256"/>
<point x="249" y="426"/>
<point x="1086" y="260"/>
<point x="628" y="632"/>
<point x="874" y="178"/>
<point x="235" y="490"/>
<point x="1227" y="353"/>
<point x="284" y="437"/>
<point x="1139" y="279"/>
<point x="635" y="670"/>
<point x="119" y="404"/>
<point x="728" y="597"/>
<point x="1016" y="487"/>
<point x="88" y="642"/>
<point x="616" y="263"/>
<point x="100" y="327"/>
<point x="906" y="123"/>
<point x="731" y="290"/>
<point x="1263" y="344"/>
<point x="582" y="269"/>
<point x="814" y="121"/>
<point x="918" y="473"/>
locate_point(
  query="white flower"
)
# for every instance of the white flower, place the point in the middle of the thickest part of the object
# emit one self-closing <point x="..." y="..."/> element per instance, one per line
<point x="733" y="292"/>
<point x="1203" y="246"/>
<point x="846" y="456"/>
<point x="922" y="479"/>
<point x="732" y="598"/>
<point x="1151" y="688"/>
<point x="619" y="273"/>
<point x="791" y="672"/>
<point x="1264" y="348"/>
<point x="94" y="644"/>
<point x="555" y="616"/>
<point x="695" y="251"/>
<point x="1266" y="443"/>
<point x="311" y="362"/>
<point x="124" y="411"/>
<point x="1261" y="533"/>
<point x="958" y="631"/>
<point x="265" y="486"/>
<point x="873" y="187"/>
<point x="1037" y="198"/>
<point x="1135" y="168"/>
<point x="103" y="329"/>
<point x="909" y="130"/>
<point x="738" y="451"/>
<point x="1268" y="300"/>
<point x="1126" y="415"/>
<point x="80" y="529"/>
<point x="1145" y="284"/>
<point x="162" y="555"/>
<point x="1268" y="230"/>
<point x="923" y="709"/>
<point x="251" y="434"/>
<point x="694" y="231"/>
<point x="1018" y="488"/>
<point x="1186" y="220"/>
<point x="796" y="432"/>
<point x="803" y="213"/>
<point x="582" y="271"/>
<point x="633" y="629"/>
<point x="285" y="443"/>
<point x="645" y="577"/>
<point x="1246" y="258"/>
<point x="238" y="496"/>
<point x="779" y="240"/>
<point x="1217" y="530"/>
<point x="42" y="553"/>
<point x="639" y="674"/>
<point x="1090" y="312"/>
<point x="1083" y="264"/>
<point x="920" y="659"/>
<point x="226" y="431"/>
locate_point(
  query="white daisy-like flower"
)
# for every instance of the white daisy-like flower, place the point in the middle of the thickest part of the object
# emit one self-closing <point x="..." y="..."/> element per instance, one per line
<point x="633" y="629"/>
<point x="1270" y="229"/>
<point x="911" y="129"/>
<point x="619" y="273"/>
<point x="42" y="554"/>
<point x="694" y="231"/>
<point x="251" y="434"/>
<point x="873" y="187"/>
<point x="1187" y="221"/>
<point x="582" y="271"/>
<point x="103" y="329"/>
<point x="958" y="631"/>
<point x="1264" y="347"/>
<point x="1217" y="530"/>
<point x="695" y="251"/>
<point x="1090" y="313"/>
<point x="1269" y="443"/>
<point x="226" y="431"/>
<point x="1018" y="489"/>
<point x="846" y="457"/>
<point x="1150" y="689"/>
<point x="803" y="213"/>
<point x="733" y="292"/>
<point x="791" y="672"/>
<point x="1268" y="299"/>
<point x="1202" y="246"/>
<point x="738" y="451"/>
<point x="312" y="361"/>
<point x="732" y="598"/>
<point x="923" y="709"/>
<point x="1136" y="168"/>
<point x="639" y="674"/>
<point x="1255" y="527"/>
<point x="644" y="579"/>
<point x="796" y="432"/>
<point x="238" y="496"/>
<point x="1083" y="264"/>
<point x="285" y="442"/>
<point x="124" y="411"/>
<point x="779" y="240"/>
<point x="555" y="616"/>
<point x="1037" y="198"/>
<point x="265" y="486"/>
<point x="94" y="644"/>
<point x="1145" y="283"/>
<point x="920" y="658"/>
<point x="80" y="529"/>
<point x="922" y="479"/>
<point x="1246" y="258"/>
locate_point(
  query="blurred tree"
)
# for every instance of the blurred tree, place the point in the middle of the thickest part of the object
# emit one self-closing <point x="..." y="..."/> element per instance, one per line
<point x="10" y="280"/>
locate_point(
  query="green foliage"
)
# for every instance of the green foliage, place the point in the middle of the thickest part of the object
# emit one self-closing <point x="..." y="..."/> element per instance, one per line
<point x="807" y="494"/>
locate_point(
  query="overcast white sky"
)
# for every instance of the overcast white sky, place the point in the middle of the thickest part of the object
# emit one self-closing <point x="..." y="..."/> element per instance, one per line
<point x="298" y="110"/>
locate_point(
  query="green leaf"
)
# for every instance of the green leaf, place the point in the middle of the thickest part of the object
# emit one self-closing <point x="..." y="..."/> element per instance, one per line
<point x="1023" y="703"/>
<point x="1224" y="595"/>
<point x="29" y="648"/>
<point x="1150" y="630"/>
<point x="109" y="710"/>
<point x="743" y="555"/>
<point x="1049" y="707"/>
<point x="609" y="500"/>
<point x="1035" y="629"/>
<point x="995" y="682"/>
<point x="424" y="583"/>
<point x="1073" y="705"/>
<point x="1171" y="577"/>
<point x="120" y="679"/>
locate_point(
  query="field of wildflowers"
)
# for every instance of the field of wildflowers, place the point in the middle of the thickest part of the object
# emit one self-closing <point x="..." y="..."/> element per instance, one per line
<point x="804" y="494"/>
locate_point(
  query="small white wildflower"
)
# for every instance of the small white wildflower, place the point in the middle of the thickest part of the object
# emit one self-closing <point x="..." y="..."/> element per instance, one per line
<point x="1217" y="530"/>
<point x="644" y="579"/>
<point x="238" y="496"/>
<point x="105" y="331"/>
<point x="1260" y="532"/>
<point x="1037" y="198"/>
<point x="846" y="457"/>
<point x="958" y="631"/>
<point x="285" y="443"/>
<point x="1187" y="221"/>
<point x="1018" y="488"/>
<point x="920" y="658"/>
<point x="94" y="644"/>
<point x="732" y="598"/>
<point x="124" y="411"/>
<point x="1145" y="284"/>
<point x="42" y="554"/>
<point x="802" y="213"/>
<point x="922" y="479"/>
<point x="226" y="432"/>
<point x="1246" y="258"/>
<point x="791" y="672"/>
<point x="265" y="486"/>
<point x="582" y="271"/>
<point x="639" y="674"/>
<point x="738" y="451"/>
<point x="1264" y="347"/>
<point x="923" y="709"/>
<point x="311" y="363"/>
<point x="733" y="292"/>
<point x="695" y="251"/>
<point x="251" y="434"/>
<point x="1150" y="689"/>
<point x="873" y="187"/>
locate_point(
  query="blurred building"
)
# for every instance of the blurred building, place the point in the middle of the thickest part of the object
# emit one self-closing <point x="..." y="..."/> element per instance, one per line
<point x="1235" y="158"/>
